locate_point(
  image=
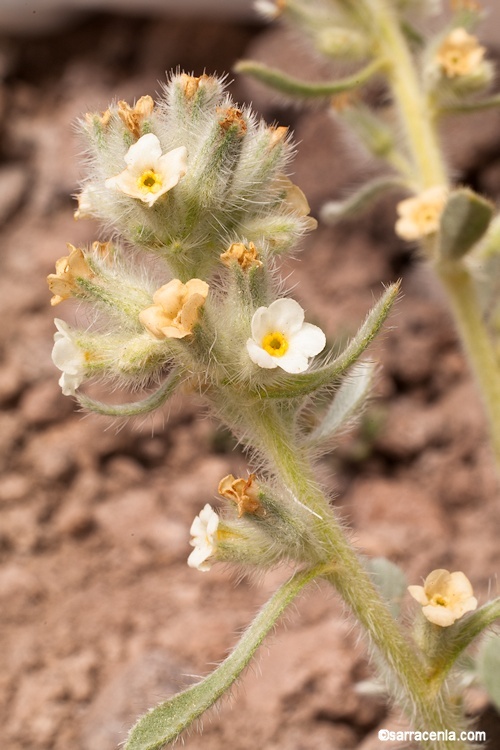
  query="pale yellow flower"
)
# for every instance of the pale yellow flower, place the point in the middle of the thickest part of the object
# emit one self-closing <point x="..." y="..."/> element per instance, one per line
<point x="460" y="54"/>
<point x="176" y="309"/>
<point x="242" y="492"/>
<point x="149" y="173"/>
<point x="133" y="117"/>
<point x="63" y="283"/>
<point x="245" y="255"/>
<point x="445" y="597"/>
<point x="420" y="216"/>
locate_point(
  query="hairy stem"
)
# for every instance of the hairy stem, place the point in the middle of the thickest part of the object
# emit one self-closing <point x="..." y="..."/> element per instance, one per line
<point x="430" y="710"/>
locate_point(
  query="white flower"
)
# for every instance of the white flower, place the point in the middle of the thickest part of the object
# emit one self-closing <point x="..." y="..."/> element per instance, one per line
<point x="149" y="173"/>
<point x="67" y="357"/>
<point x="445" y="597"/>
<point x="280" y="338"/>
<point x="204" y="533"/>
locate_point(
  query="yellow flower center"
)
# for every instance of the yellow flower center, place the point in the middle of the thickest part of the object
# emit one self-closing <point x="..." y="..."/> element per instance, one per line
<point x="440" y="600"/>
<point x="427" y="218"/>
<point x="275" y="344"/>
<point x="149" y="181"/>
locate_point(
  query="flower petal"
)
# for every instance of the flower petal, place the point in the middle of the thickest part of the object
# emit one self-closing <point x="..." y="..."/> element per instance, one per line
<point x="293" y="361"/>
<point x="310" y="340"/>
<point x="172" y="166"/>
<point x="258" y="355"/>
<point x="442" y="616"/>
<point x="144" y="153"/>
<point x="418" y="593"/>
<point x="285" y="315"/>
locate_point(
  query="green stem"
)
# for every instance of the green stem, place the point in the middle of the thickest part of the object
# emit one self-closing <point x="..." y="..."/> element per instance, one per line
<point x="409" y="97"/>
<point x="459" y="285"/>
<point x="430" y="711"/>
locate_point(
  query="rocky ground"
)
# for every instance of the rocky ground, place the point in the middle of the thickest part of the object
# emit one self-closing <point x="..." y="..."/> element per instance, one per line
<point x="100" y="617"/>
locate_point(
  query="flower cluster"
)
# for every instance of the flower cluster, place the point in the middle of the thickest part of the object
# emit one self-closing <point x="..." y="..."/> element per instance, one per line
<point x="197" y="182"/>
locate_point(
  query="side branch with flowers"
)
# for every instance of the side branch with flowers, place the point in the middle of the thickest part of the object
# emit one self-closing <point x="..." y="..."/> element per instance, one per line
<point x="199" y="188"/>
<point x="428" y="74"/>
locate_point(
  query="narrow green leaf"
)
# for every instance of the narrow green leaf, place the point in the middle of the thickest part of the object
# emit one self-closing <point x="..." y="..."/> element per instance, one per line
<point x="165" y="723"/>
<point x="477" y="105"/>
<point x="346" y="404"/>
<point x="361" y="200"/>
<point x="390" y="581"/>
<point x="488" y="667"/>
<point x="302" y="89"/>
<point x="465" y="219"/>
<point x="134" y="408"/>
<point x="292" y="386"/>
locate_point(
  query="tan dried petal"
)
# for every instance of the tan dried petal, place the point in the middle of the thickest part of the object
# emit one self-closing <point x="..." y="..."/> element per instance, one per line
<point x="190" y="84"/>
<point x="103" y="119"/>
<point x="133" y="117"/>
<point x="243" y="492"/>
<point x="245" y="255"/>
<point x="341" y="102"/>
<point x="278" y="134"/>
<point x="230" y="117"/>
<point x="457" y="5"/>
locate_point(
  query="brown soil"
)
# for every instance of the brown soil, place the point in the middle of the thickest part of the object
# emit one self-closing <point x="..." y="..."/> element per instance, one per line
<point x="100" y="616"/>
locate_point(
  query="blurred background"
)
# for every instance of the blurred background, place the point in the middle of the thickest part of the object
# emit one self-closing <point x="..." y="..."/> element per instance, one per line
<point x="99" y="615"/>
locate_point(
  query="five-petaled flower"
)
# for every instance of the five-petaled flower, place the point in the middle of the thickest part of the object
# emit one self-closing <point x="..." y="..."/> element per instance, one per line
<point x="176" y="309"/>
<point x="460" y="54"/>
<point x="69" y="358"/>
<point x="444" y="597"/>
<point x="204" y="533"/>
<point x="63" y="283"/>
<point x="421" y="216"/>
<point x="280" y="338"/>
<point x="149" y="173"/>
